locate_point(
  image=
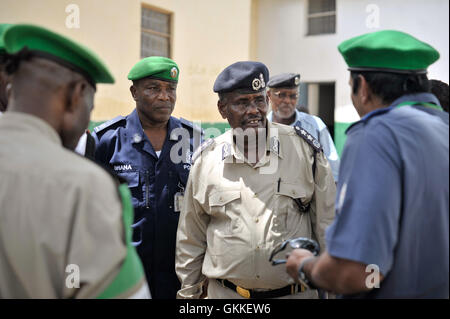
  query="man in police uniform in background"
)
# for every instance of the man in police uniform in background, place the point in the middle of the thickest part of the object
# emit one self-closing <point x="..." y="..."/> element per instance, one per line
<point x="392" y="221"/>
<point x="243" y="198"/>
<point x="283" y="95"/>
<point x="65" y="225"/>
<point x="3" y="76"/>
<point x="152" y="150"/>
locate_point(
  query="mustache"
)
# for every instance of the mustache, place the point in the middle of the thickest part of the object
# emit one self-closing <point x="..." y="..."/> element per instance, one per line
<point x="258" y="118"/>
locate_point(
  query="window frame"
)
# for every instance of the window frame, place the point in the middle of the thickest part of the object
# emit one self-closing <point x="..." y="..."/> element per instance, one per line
<point x="319" y="15"/>
<point x="160" y="34"/>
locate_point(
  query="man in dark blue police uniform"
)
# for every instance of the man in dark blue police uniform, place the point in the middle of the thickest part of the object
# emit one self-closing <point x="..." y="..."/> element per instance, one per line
<point x="390" y="238"/>
<point x="152" y="150"/>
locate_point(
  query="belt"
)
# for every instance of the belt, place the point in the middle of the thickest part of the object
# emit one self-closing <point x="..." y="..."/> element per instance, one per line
<point x="252" y="294"/>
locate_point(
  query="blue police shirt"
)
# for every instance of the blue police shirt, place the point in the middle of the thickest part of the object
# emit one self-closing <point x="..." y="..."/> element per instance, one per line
<point x="392" y="199"/>
<point x="122" y="146"/>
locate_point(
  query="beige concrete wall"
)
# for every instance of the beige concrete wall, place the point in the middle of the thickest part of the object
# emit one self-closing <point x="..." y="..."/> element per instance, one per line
<point x="208" y="35"/>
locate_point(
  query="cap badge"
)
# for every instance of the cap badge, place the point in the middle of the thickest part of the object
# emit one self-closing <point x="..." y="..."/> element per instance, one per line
<point x="261" y="77"/>
<point x="173" y="72"/>
<point x="297" y="80"/>
<point x="257" y="84"/>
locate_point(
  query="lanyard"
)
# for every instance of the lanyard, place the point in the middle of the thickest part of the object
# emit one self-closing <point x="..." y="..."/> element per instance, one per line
<point x="424" y="104"/>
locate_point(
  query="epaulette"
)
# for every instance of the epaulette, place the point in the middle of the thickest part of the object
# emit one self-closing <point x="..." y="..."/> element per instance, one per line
<point x="307" y="137"/>
<point x="191" y="125"/>
<point x="201" y="148"/>
<point x="109" y="123"/>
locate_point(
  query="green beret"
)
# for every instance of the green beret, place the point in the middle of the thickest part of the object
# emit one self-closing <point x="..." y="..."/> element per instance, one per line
<point x="156" y="67"/>
<point x="44" y="43"/>
<point x="387" y="51"/>
<point x="3" y="27"/>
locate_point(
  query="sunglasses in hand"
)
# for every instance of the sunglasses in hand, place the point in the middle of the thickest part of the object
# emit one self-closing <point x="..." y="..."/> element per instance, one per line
<point x="300" y="242"/>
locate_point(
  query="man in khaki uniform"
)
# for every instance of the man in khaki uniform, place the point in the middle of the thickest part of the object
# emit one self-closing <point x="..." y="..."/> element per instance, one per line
<point x="244" y="194"/>
<point x="62" y="232"/>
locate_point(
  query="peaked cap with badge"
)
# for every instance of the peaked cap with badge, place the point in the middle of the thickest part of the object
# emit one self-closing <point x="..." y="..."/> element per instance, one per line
<point x="388" y="51"/>
<point x="284" y="80"/>
<point x="245" y="76"/>
<point x="156" y="67"/>
<point x="24" y="41"/>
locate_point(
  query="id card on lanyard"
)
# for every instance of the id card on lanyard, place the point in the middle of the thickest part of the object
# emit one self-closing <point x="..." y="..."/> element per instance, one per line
<point x="178" y="199"/>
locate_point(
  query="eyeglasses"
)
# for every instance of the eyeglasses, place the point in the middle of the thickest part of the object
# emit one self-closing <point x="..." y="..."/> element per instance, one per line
<point x="300" y="242"/>
<point x="283" y="95"/>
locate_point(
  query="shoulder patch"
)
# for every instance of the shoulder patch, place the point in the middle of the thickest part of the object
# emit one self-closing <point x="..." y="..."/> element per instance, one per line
<point x="307" y="137"/>
<point x="191" y="125"/>
<point x="201" y="148"/>
<point x="109" y="123"/>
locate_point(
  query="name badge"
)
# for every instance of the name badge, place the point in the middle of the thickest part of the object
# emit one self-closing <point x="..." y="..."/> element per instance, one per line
<point x="178" y="201"/>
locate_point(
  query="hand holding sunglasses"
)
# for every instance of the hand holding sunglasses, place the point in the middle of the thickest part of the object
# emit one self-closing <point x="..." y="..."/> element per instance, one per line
<point x="300" y="242"/>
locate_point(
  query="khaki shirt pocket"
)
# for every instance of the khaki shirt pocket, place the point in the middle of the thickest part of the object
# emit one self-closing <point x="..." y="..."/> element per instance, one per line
<point x="289" y="222"/>
<point x="225" y="210"/>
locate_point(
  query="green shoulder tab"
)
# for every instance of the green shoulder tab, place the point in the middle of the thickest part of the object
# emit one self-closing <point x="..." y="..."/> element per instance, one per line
<point x="131" y="273"/>
<point x="424" y="104"/>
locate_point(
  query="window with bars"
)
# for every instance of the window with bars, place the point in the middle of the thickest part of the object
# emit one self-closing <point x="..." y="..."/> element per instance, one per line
<point x="155" y="33"/>
<point x="321" y="17"/>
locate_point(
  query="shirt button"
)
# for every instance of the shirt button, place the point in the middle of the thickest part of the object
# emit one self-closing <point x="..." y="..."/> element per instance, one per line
<point x="255" y="195"/>
<point x="256" y="220"/>
<point x="257" y="276"/>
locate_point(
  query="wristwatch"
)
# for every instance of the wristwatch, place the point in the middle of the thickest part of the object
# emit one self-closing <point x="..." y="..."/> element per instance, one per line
<point x="302" y="276"/>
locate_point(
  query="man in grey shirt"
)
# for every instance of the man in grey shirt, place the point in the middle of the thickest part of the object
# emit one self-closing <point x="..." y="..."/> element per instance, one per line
<point x="284" y="94"/>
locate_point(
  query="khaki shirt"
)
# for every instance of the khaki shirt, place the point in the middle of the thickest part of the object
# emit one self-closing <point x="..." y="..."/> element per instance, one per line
<point x="56" y="209"/>
<point x="234" y="213"/>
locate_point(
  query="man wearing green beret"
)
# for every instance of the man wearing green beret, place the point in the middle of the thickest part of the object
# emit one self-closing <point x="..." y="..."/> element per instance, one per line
<point x="152" y="150"/>
<point x="390" y="238"/>
<point x="3" y="77"/>
<point x="65" y="227"/>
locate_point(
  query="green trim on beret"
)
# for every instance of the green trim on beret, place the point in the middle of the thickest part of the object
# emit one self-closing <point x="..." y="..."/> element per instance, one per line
<point x="50" y="44"/>
<point x="156" y="67"/>
<point x="388" y="51"/>
<point x="3" y="27"/>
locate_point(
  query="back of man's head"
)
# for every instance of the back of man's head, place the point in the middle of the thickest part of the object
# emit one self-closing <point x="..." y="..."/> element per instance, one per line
<point x="390" y="86"/>
<point x="53" y="78"/>
<point x="393" y="63"/>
